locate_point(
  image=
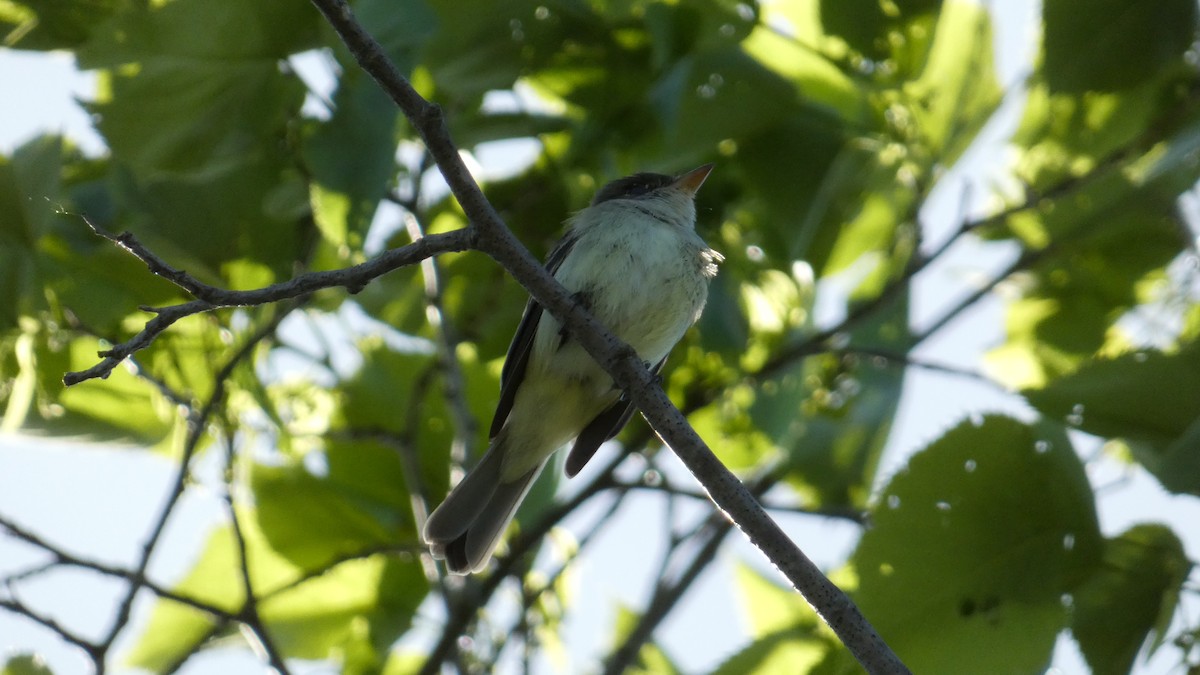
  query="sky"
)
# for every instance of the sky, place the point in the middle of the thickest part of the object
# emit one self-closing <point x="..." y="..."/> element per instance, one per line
<point x="100" y="502"/>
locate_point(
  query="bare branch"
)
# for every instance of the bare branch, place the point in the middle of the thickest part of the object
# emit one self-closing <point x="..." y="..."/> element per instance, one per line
<point x="249" y="614"/>
<point x="617" y="358"/>
<point x="196" y="426"/>
<point x="96" y="652"/>
<point x="64" y="558"/>
<point x="210" y="297"/>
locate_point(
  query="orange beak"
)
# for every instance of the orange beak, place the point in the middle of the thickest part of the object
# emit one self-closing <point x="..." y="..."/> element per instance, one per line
<point x="691" y="181"/>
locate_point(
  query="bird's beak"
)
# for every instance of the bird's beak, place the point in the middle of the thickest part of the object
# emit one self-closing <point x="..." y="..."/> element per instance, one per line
<point x="691" y="181"/>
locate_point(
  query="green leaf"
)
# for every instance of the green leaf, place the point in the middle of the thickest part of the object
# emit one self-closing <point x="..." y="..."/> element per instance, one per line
<point x="204" y="190"/>
<point x="31" y="198"/>
<point x="973" y="547"/>
<point x="1132" y="595"/>
<point x="769" y="606"/>
<point x="1075" y="296"/>
<point x="1108" y="45"/>
<point x="166" y="62"/>
<point x="879" y="30"/>
<point x="957" y="90"/>
<point x="706" y="98"/>
<point x="793" y="204"/>
<point x="1151" y="399"/>
<point x="352" y="613"/>
<point x="52" y="24"/>
<point x="26" y="664"/>
<point x="312" y="520"/>
<point x="1178" y="467"/>
<point x="831" y="415"/>
<point x="201" y="224"/>
<point x="787" y="635"/>
<point x="351" y="159"/>
<point x="402" y="28"/>
<point x="121" y="407"/>
<point x="351" y="155"/>
<point x="483" y="50"/>
<point x="822" y="80"/>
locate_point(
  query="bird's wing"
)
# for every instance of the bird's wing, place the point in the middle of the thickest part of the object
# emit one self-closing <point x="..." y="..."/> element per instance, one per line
<point x="517" y="358"/>
<point x="606" y="425"/>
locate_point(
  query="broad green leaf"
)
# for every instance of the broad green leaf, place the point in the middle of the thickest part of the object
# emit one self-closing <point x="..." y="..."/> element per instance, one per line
<point x="352" y="613"/>
<point x="187" y="357"/>
<point x="202" y="224"/>
<point x="1179" y="465"/>
<point x="973" y="547"/>
<point x="26" y="664"/>
<point x="166" y="62"/>
<point x="52" y="24"/>
<point x="770" y="607"/>
<point x="786" y="634"/>
<point x="831" y="415"/>
<point x="478" y="45"/>
<point x="858" y="212"/>
<point x="882" y="30"/>
<point x="402" y="28"/>
<point x="728" y="428"/>
<point x="30" y="194"/>
<point x="1131" y="596"/>
<point x="817" y="75"/>
<point x="1078" y="293"/>
<point x="1066" y="135"/>
<point x="392" y="399"/>
<point x="351" y="155"/>
<point x="1151" y="399"/>
<point x="404" y="662"/>
<point x="1112" y="44"/>
<point x="121" y="407"/>
<point x="201" y="190"/>
<point x="313" y="520"/>
<point x="706" y="98"/>
<point x="957" y="90"/>
<point x="1098" y="241"/>
<point x="784" y="651"/>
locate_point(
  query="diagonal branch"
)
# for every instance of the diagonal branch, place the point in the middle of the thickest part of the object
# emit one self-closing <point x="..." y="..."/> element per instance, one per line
<point x="617" y="358"/>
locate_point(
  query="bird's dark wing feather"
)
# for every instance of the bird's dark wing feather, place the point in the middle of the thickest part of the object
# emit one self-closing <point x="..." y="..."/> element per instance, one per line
<point x="517" y="358"/>
<point x="606" y="425"/>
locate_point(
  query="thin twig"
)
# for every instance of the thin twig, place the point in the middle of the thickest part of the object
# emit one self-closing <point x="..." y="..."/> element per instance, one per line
<point x="454" y="388"/>
<point x="197" y="424"/>
<point x="208" y="298"/>
<point x="66" y="559"/>
<point x="94" y="651"/>
<point x="249" y="614"/>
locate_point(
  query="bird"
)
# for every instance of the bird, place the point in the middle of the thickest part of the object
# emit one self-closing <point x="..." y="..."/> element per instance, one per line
<point x="633" y="258"/>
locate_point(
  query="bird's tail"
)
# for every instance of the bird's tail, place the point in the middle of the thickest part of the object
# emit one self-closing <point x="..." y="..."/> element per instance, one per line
<point x="465" y="529"/>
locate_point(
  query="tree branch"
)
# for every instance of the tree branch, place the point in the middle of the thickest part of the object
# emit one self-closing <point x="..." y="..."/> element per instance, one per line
<point x="249" y="614"/>
<point x="208" y="298"/>
<point x="617" y="358"/>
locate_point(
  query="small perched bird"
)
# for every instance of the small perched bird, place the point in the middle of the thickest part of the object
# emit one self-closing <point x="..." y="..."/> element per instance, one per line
<point x="634" y="260"/>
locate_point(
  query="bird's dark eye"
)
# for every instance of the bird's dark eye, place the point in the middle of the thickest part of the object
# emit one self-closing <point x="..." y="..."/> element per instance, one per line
<point x="639" y="189"/>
